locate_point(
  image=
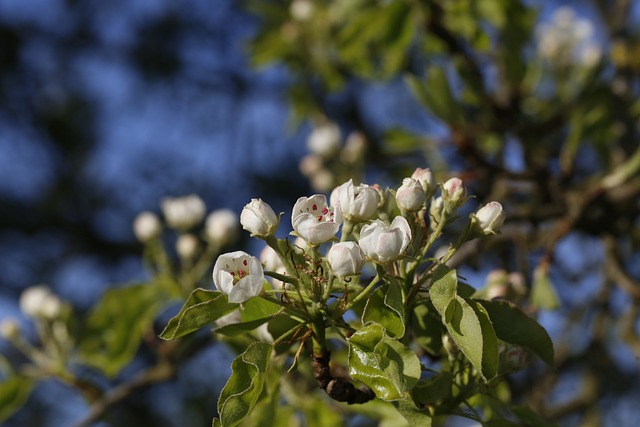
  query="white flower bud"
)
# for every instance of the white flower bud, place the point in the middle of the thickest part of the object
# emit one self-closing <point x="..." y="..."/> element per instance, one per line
<point x="301" y="10"/>
<point x="356" y="202"/>
<point x="385" y="243"/>
<point x="146" y="226"/>
<point x="490" y="218"/>
<point x="322" y="180"/>
<point x="435" y="210"/>
<point x="426" y="179"/>
<point x="411" y="196"/>
<point x="32" y="299"/>
<point x="345" y="259"/>
<point x="221" y="226"/>
<point x="259" y="219"/>
<point x="9" y="329"/>
<point x="324" y="140"/>
<point x="187" y="246"/>
<point x="354" y="148"/>
<point x="51" y="307"/>
<point x="310" y="165"/>
<point x="184" y="212"/>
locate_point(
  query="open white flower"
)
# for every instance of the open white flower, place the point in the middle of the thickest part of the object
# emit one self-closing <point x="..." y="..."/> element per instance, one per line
<point x="345" y="258"/>
<point x="324" y="140"/>
<point x="313" y="220"/>
<point x="356" y="202"/>
<point x="238" y="275"/>
<point x="385" y="243"/>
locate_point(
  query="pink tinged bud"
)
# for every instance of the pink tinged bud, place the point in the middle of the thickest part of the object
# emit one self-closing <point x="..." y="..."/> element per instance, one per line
<point x="411" y="197"/>
<point x="238" y="275"/>
<point x="221" y="226"/>
<point x="425" y="177"/>
<point x="453" y="193"/>
<point x="314" y="221"/>
<point x="385" y="243"/>
<point x="146" y="226"/>
<point x="356" y="202"/>
<point x="324" y="140"/>
<point x="345" y="258"/>
<point x="184" y="212"/>
<point x="515" y="358"/>
<point x="259" y="219"/>
<point x="490" y="218"/>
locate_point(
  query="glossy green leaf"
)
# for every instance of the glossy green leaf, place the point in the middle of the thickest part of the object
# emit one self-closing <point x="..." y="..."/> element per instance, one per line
<point x="113" y="331"/>
<point x="385" y="365"/>
<point x="240" y="394"/>
<point x="467" y="323"/>
<point x="14" y="392"/>
<point x="253" y="313"/>
<point x="427" y="328"/>
<point x="514" y="326"/>
<point x="385" y="307"/>
<point x="433" y="389"/>
<point x="413" y="415"/>
<point x="202" y="308"/>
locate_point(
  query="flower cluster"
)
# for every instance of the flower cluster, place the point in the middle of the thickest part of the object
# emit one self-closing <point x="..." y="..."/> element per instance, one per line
<point x="377" y="226"/>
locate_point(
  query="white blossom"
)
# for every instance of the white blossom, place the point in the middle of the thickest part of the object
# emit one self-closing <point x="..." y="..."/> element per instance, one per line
<point x="238" y="275"/>
<point x="324" y="140"/>
<point x="385" y="243"/>
<point x="411" y="196"/>
<point x="356" y="202"/>
<point x="313" y="220"/>
<point x="221" y="226"/>
<point x="345" y="258"/>
<point x="490" y="218"/>
<point x="183" y="212"/>
<point x="259" y="219"/>
<point x="187" y="246"/>
<point x="146" y="226"/>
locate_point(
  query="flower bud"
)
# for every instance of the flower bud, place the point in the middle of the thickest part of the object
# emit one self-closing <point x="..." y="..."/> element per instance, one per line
<point x="453" y="194"/>
<point x="324" y="140"/>
<point x="310" y="165"/>
<point x="411" y="196"/>
<point x="259" y="219"/>
<point x="322" y="180"/>
<point x="354" y="148"/>
<point x="345" y="259"/>
<point x="425" y="177"/>
<point x="9" y="329"/>
<point x="184" y="212"/>
<point x="51" y="307"/>
<point x="515" y="358"/>
<point x="221" y="226"/>
<point x="301" y="10"/>
<point x="32" y="299"/>
<point x="385" y="243"/>
<point x="356" y="202"/>
<point x="436" y="209"/>
<point x="187" y="246"/>
<point x="146" y="226"/>
<point x="489" y="218"/>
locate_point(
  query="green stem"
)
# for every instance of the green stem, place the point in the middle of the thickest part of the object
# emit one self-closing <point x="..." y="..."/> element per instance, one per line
<point x="365" y="293"/>
<point x="288" y="307"/>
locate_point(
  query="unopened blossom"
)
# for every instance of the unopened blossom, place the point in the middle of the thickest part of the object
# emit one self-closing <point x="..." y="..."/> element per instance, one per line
<point x="259" y="219"/>
<point x="425" y="177"/>
<point x="301" y="10"/>
<point x="489" y="218"/>
<point x="324" y="140"/>
<point x="221" y="226"/>
<point x="354" y="148"/>
<point x="453" y="194"/>
<point x="322" y="181"/>
<point x="238" y="275"/>
<point x="9" y="329"/>
<point x="356" y="202"/>
<point x="272" y="262"/>
<point x="385" y="243"/>
<point x="146" y="226"/>
<point x="345" y="258"/>
<point x="51" y="307"/>
<point x="411" y="196"/>
<point x="187" y="246"/>
<point x="314" y="221"/>
<point x="311" y="164"/>
<point x="33" y="299"/>
<point x="435" y="209"/>
<point x="183" y="212"/>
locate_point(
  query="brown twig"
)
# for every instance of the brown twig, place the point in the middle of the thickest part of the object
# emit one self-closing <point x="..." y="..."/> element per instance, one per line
<point x="339" y="389"/>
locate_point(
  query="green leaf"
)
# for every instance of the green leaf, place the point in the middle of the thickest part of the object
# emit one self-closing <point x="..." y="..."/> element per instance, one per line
<point x="543" y="294"/>
<point x="467" y="322"/>
<point x="514" y="326"/>
<point x="14" y="392"/>
<point x="202" y="308"/>
<point x="427" y="328"/>
<point x="430" y="391"/>
<point x="113" y="331"/>
<point x="413" y="415"/>
<point x="240" y="394"/>
<point x="434" y="93"/>
<point x="385" y="307"/>
<point x="253" y="313"/>
<point x="385" y="365"/>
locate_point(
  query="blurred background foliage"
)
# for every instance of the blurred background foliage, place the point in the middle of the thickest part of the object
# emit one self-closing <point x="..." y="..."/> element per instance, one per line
<point x="106" y="107"/>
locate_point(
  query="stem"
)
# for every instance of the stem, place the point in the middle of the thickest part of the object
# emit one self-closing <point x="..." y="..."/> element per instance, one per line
<point x="365" y="293"/>
<point x="288" y="307"/>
